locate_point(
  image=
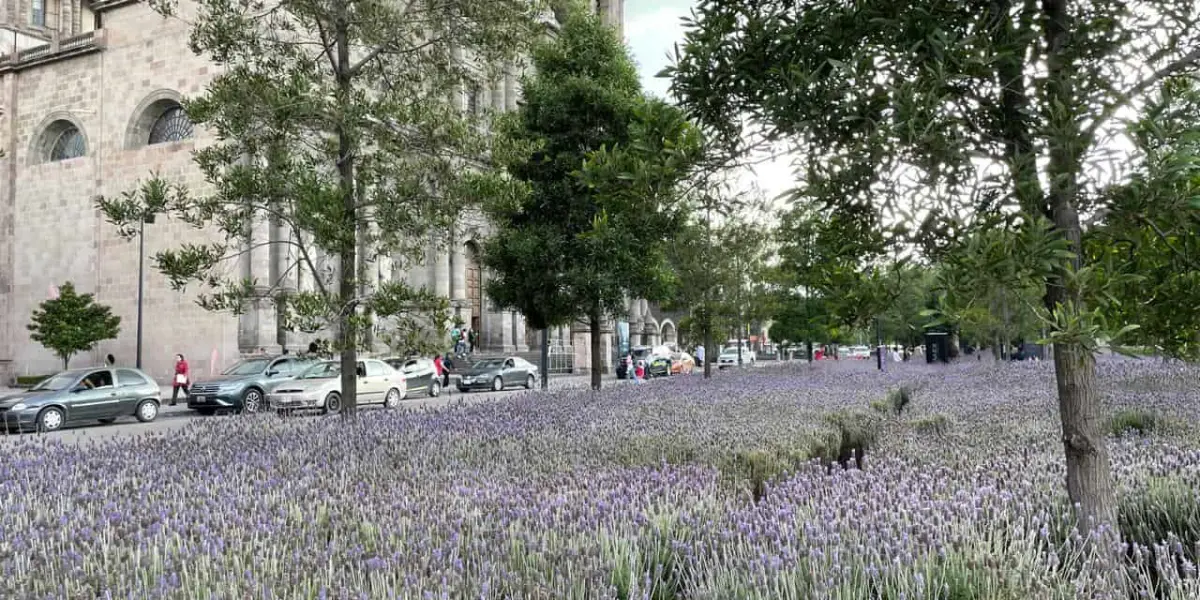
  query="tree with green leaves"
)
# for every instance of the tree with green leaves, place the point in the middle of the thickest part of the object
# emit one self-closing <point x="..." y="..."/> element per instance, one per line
<point x="72" y="323"/>
<point x="600" y="163"/>
<point x="344" y="122"/>
<point x="893" y="106"/>
<point x="1147" y="240"/>
<point x="719" y="267"/>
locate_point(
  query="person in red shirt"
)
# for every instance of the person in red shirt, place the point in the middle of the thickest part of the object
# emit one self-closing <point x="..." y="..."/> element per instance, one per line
<point x="639" y="372"/>
<point x="182" y="379"/>
<point x="437" y="365"/>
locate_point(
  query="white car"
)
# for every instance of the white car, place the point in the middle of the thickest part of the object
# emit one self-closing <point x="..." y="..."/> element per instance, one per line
<point x="729" y="358"/>
<point x="320" y="386"/>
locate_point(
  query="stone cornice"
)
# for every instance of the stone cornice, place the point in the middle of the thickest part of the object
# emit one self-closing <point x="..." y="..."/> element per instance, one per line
<point x="85" y="43"/>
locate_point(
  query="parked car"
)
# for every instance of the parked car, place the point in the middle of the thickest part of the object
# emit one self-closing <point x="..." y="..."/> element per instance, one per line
<point x="498" y="373"/>
<point x="82" y="395"/>
<point x="420" y="375"/>
<point x="243" y="387"/>
<point x="729" y="358"/>
<point x="859" y="352"/>
<point x="320" y="386"/>
<point x="682" y="363"/>
<point x="659" y="366"/>
<point x="625" y="365"/>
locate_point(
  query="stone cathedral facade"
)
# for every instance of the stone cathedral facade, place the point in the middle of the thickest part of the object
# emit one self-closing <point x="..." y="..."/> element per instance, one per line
<point x="90" y="96"/>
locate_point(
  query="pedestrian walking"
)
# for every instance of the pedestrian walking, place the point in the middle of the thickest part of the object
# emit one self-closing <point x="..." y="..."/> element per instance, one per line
<point x="182" y="379"/>
<point x="447" y="364"/>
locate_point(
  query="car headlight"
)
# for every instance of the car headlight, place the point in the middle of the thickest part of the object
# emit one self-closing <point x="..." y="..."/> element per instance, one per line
<point x="19" y="406"/>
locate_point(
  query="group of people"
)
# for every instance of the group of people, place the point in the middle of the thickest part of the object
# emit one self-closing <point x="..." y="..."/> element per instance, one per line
<point x="464" y="340"/>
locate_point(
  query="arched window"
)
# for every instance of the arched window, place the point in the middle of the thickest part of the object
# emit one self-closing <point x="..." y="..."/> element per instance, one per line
<point x="172" y="125"/>
<point x="69" y="144"/>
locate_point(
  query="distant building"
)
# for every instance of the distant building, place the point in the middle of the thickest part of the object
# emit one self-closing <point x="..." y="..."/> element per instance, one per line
<point x="90" y="97"/>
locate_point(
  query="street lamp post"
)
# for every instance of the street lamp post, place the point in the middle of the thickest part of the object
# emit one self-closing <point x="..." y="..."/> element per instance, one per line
<point x="148" y="218"/>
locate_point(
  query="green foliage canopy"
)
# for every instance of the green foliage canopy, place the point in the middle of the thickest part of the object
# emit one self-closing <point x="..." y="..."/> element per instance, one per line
<point x="72" y="323"/>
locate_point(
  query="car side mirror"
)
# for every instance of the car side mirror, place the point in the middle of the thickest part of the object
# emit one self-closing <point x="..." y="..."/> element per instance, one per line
<point x="79" y="388"/>
<point x="272" y="373"/>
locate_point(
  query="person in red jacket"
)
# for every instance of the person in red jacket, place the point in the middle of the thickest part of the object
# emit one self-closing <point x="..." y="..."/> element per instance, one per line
<point x="182" y="379"/>
<point x="437" y="365"/>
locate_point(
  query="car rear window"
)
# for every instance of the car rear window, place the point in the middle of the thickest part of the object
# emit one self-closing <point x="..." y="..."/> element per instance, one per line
<point x="130" y="378"/>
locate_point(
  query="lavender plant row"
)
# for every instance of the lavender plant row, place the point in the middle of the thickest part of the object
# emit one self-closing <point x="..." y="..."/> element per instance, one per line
<point x="635" y="492"/>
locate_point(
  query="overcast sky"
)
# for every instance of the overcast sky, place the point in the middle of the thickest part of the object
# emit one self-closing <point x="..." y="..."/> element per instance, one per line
<point x="652" y="28"/>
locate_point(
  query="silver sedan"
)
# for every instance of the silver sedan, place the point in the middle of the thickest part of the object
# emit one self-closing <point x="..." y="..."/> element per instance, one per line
<point x="320" y="386"/>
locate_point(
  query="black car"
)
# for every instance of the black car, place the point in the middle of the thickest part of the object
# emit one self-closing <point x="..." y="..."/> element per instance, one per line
<point x="420" y="375"/>
<point x="498" y="373"/>
<point x="659" y="366"/>
<point x="636" y="353"/>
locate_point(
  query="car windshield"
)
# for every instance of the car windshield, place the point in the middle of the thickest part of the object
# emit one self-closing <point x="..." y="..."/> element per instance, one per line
<point x="253" y="366"/>
<point x="489" y="364"/>
<point x="732" y="351"/>
<point x="641" y="352"/>
<point x="323" y="370"/>
<point x="53" y="384"/>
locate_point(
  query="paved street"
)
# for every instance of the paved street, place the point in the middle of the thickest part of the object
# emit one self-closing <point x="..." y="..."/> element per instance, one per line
<point x="176" y="417"/>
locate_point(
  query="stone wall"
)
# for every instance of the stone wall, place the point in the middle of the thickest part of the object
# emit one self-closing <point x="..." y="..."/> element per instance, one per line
<point x="58" y="235"/>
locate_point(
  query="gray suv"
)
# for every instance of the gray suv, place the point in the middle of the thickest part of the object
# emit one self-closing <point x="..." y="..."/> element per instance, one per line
<point x="244" y="386"/>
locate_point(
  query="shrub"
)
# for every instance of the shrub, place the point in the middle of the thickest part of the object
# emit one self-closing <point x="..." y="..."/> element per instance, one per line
<point x="881" y="406"/>
<point x="30" y="380"/>
<point x="1140" y="421"/>
<point x="1166" y="507"/>
<point x="754" y="469"/>
<point x="852" y="434"/>
<point x="936" y="424"/>
<point x="900" y="398"/>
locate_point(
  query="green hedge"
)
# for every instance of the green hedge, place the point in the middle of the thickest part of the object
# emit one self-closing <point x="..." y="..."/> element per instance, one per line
<point x="30" y="380"/>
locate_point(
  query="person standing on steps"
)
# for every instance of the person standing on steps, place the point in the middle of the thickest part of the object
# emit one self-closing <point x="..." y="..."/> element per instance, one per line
<point x="181" y="379"/>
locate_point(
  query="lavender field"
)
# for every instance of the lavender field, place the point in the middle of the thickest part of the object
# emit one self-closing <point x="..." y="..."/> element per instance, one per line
<point x="720" y="490"/>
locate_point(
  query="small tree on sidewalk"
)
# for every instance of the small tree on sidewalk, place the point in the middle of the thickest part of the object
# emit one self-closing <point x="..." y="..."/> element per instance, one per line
<point x="72" y="323"/>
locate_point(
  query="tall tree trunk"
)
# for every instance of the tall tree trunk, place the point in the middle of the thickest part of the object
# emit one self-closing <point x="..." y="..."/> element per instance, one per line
<point x="348" y="252"/>
<point x="1089" y="480"/>
<point x="597" y="360"/>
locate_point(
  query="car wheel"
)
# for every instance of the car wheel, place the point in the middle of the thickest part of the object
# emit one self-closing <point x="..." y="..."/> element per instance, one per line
<point x="435" y="389"/>
<point x="498" y="384"/>
<point x="51" y="419"/>
<point x="147" y="411"/>
<point x="207" y="411"/>
<point x="530" y="381"/>
<point x="253" y="401"/>
<point x="333" y="404"/>
<point x="392" y="399"/>
<point x="108" y="420"/>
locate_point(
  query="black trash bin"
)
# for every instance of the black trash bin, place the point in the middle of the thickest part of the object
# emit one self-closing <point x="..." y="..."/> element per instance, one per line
<point x="937" y="347"/>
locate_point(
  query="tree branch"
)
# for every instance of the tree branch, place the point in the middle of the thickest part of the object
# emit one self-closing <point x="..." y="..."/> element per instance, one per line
<point x="1123" y="99"/>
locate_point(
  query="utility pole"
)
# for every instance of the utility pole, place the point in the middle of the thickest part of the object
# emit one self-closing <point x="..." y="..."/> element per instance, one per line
<point x="146" y="218"/>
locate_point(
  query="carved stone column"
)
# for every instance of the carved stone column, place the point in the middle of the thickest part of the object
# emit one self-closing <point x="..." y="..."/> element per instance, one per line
<point x="458" y="281"/>
<point x="510" y="89"/>
<point x="498" y="94"/>
<point x="284" y="277"/>
<point x="258" y="323"/>
<point x="518" y="332"/>
<point x="439" y="269"/>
